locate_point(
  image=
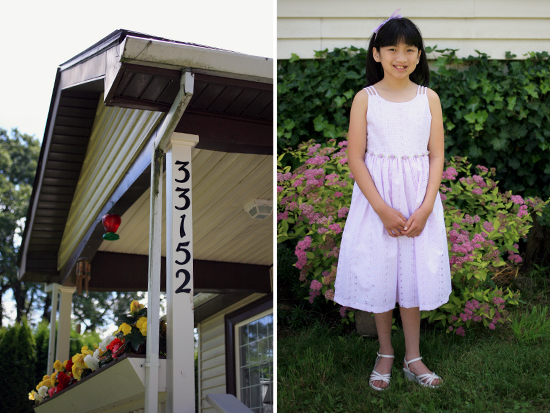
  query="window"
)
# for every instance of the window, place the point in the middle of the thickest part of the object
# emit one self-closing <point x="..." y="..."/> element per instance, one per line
<point x="249" y="354"/>
<point x="254" y="361"/>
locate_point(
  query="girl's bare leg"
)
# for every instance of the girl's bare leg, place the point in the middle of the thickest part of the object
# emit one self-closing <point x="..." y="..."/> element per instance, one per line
<point x="411" y="328"/>
<point x="383" y="327"/>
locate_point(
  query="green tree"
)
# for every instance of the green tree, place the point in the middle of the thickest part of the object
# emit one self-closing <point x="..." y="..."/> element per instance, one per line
<point x="17" y="363"/>
<point x="18" y="161"/>
<point x="98" y="309"/>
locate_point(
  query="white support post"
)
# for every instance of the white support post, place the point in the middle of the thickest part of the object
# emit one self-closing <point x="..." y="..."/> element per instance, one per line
<point x="153" y="299"/>
<point x="64" y="325"/>
<point x="180" y="341"/>
<point x="54" y="289"/>
<point x="163" y="137"/>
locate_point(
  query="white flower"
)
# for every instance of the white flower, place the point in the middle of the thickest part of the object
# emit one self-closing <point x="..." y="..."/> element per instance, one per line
<point x="92" y="362"/>
<point x="38" y="398"/>
<point x="103" y="345"/>
<point x="43" y="391"/>
<point x="96" y="353"/>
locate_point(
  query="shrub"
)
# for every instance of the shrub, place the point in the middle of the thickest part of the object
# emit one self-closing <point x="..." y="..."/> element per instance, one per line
<point x="495" y="111"/>
<point x="483" y="227"/>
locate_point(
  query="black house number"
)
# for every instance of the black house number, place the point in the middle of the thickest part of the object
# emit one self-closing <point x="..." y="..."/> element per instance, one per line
<point x="183" y="245"/>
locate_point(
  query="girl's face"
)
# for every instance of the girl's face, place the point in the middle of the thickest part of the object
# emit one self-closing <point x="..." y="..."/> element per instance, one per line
<point x="397" y="61"/>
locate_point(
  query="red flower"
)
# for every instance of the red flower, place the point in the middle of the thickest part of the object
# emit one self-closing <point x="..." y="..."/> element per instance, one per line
<point x="69" y="367"/>
<point x="52" y="391"/>
<point x="63" y="380"/>
<point x="115" y="346"/>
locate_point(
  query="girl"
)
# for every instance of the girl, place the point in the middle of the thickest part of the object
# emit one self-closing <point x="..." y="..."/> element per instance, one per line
<point x="394" y="246"/>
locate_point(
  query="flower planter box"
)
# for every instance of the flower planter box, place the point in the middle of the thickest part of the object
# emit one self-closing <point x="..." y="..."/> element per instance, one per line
<point x="117" y="387"/>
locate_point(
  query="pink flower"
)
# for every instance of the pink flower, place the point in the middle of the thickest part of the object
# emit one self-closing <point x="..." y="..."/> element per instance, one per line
<point x="315" y="285"/>
<point x="343" y="311"/>
<point x="460" y="331"/>
<point x="322" y="230"/>
<point x="336" y="228"/>
<point x="450" y="328"/>
<point x="477" y="191"/>
<point x="312" y="295"/>
<point x="338" y="194"/>
<point x="443" y="197"/>
<point x="450" y="173"/>
<point x="318" y="160"/>
<point x="517" y="199"/>
<point x="52" y="391"/>
<point x="343" y="143"/>
<point x="342" y="212"/>
<point x="482" y="168"/>
<point x="343" y="161"/>
<point x="488" y="226"/>
<point x="491" y="326"/>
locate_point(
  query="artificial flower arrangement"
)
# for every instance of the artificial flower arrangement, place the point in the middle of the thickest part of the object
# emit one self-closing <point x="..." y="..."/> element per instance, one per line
<point x="130" y="338"/>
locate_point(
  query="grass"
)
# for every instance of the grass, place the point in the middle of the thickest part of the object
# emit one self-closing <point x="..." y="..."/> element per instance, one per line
<point x="485" y="371"/>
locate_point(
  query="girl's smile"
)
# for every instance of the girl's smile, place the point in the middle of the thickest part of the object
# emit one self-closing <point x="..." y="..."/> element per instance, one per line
<point x="400" y="60"/>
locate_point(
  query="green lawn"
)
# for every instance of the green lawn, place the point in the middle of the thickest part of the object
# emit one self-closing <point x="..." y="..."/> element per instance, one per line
<point x="485" y="371"/>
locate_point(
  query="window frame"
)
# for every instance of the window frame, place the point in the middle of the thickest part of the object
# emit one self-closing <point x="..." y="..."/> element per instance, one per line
<point x="231" y="320"/>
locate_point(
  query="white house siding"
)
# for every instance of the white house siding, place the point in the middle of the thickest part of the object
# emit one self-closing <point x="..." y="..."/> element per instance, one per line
<point x="212" y="353"/>
<point x="490" y="26"/>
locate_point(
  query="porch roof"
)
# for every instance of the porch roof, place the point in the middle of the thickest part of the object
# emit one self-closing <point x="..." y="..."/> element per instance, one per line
<point x="231" y="110"/>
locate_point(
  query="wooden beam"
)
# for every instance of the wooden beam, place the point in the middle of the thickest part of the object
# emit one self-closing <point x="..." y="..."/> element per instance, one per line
<point x="228" y="133"/>
<point x="113" y="271"/>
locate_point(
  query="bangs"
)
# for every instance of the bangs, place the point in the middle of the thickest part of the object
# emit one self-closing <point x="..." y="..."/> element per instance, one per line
<point x="398" y="31"/>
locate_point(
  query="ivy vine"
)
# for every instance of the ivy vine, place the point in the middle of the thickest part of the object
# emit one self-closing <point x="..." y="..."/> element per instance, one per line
<point x="496" y="112"/>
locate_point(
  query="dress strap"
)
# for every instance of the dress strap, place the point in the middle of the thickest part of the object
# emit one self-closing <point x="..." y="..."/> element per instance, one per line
<point x="422" y="90"/>
<point x="371" y="90"/>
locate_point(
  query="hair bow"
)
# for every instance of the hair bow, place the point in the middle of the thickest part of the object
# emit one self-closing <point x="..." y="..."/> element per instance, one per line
<point x="393" y="16"/>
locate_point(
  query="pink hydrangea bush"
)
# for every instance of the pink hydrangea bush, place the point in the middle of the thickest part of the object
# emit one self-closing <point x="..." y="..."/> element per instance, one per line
<point x="484" y="227"/>
<point x="313" y="202"/>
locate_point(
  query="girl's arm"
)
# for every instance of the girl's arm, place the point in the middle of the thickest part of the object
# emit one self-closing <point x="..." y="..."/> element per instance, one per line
<point x="393" y="220"/>
<point x="436" y="146"/>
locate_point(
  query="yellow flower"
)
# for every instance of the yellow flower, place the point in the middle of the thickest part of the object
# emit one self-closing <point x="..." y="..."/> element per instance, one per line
<point x="40" y="385"/>
<point x="142" y="325"/>
<point x="57" y="365"/>
<point x="135" y="306"/>
<point x="78" y="360"/>
<point x="65" y="364"/>
<point x="125" y="328"/>
<point x="85" y="351"/>
<point x="77" y="373"/>
<point x="54" y="376"/>
<point x="46" y="377"/>
<point x="49" y="383"/>
<point x="31" y="395"/>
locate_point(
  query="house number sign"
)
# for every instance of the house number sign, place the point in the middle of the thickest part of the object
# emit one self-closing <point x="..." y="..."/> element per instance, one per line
<point x="182" y="254"/>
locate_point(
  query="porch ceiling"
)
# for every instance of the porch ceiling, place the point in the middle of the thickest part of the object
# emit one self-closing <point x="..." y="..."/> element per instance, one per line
<point x="222" y="230"/>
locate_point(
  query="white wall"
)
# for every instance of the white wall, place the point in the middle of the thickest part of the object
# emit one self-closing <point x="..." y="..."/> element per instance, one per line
<point x="490" y="26"/>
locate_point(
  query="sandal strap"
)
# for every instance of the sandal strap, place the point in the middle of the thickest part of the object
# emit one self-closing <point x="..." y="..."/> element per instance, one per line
<point x="377" y="376"/>
<point x="428" y="378"/>
<point x="385" y="355"/>
<point x="411" y="361"/>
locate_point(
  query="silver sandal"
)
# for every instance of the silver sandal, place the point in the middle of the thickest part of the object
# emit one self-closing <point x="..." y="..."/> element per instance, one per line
<point x="377" y="376"/>
<point x="425" y="380"/>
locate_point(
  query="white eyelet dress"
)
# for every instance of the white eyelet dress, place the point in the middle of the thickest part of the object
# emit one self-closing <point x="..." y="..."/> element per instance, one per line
<point x="376" y="271"/>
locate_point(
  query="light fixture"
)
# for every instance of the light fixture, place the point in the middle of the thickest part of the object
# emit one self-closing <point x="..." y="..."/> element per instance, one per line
<point x="259" y="208"/>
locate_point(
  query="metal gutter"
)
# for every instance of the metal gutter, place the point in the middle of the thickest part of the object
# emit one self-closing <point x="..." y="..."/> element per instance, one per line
<point x="172" y="55"/>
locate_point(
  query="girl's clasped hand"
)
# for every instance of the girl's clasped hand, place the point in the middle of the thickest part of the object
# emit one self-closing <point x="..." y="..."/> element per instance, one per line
<point x="397" y="225"/>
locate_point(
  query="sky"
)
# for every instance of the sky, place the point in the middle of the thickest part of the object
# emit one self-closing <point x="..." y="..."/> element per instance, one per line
<point x="37" y="36"/>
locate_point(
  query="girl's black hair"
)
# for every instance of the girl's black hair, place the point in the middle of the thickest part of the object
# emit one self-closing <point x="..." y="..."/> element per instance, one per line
<point x="392" y="33"/>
